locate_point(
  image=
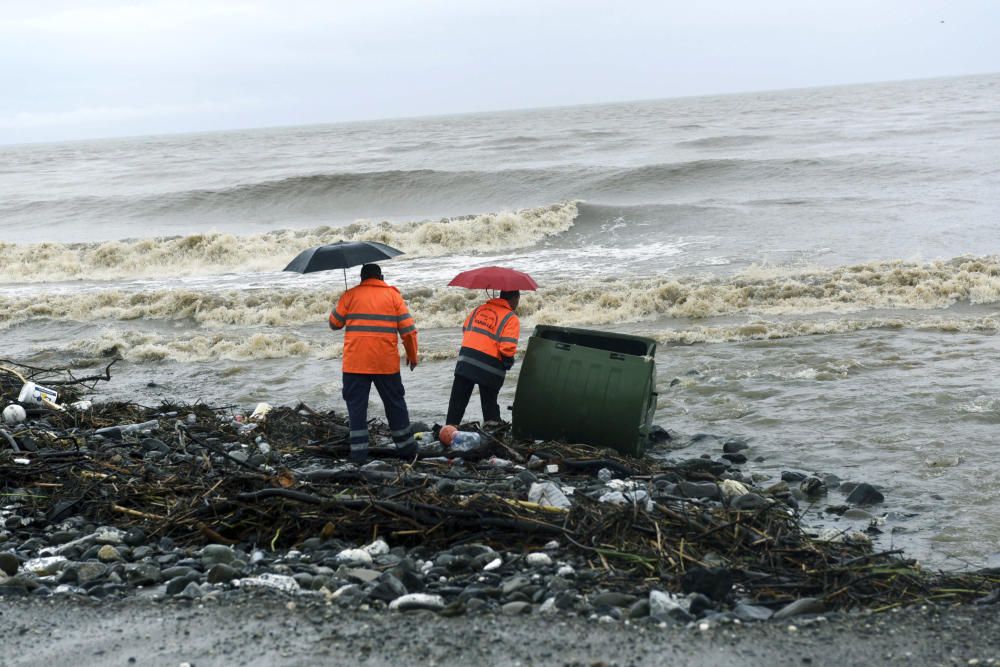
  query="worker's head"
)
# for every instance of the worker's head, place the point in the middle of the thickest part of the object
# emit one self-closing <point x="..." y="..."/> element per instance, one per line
<point x="371" y="271"/>
<point x="512" y="297"/>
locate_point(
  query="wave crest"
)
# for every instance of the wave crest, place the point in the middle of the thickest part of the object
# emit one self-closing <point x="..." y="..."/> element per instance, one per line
<point x="759" y="291"/>
<point x="214" y="253"/>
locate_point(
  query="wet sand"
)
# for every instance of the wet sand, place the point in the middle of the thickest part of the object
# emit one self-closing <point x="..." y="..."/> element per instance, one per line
<point x="272" y="629"/>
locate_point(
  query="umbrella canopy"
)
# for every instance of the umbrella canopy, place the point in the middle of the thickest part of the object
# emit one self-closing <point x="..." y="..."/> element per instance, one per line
<point x="341" y="255"/>
<point x="494" y="277"/>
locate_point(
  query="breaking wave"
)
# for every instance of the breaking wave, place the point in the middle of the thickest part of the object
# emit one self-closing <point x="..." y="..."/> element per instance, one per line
<point x="214" y="253"/>
<point x="756" y="292"/>
<point x="146" y="347"/>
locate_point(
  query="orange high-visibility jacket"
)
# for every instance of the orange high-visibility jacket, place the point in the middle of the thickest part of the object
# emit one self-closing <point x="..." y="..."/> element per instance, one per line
<point x="489" y="342"/>
<point x="372" y="315"/>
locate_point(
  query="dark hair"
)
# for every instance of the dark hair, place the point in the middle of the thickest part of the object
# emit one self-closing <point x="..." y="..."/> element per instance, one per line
<point x="510" y="294"/>
<point x="371" y="271"/>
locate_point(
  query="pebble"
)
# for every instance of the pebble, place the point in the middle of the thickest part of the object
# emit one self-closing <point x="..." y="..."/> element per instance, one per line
<point x="108" y="554"/>
<point x="865" y="494"/>
<point x="613" y="599"/>
<point x="213" y="554"/>
<point x="221" y="574"/>
<point x="538" y="559"/>
<point x="415" y="601"/>
<point x="9" y="563"/>
<point x="800" y="607"/>
<point x="354" y="558"/>
<point x="516" y="608"/>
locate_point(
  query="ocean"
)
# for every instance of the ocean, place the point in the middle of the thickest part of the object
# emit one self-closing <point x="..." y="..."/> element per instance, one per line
<point x="820" y="269"/>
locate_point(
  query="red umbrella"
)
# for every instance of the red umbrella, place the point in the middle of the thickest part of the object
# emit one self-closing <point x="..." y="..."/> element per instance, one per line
<point x="494" y="277"/>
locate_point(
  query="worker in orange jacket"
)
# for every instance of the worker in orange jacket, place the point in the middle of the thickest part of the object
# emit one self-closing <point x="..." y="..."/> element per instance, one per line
<point x="372" y="315"/>
<point x="489" y="342"/>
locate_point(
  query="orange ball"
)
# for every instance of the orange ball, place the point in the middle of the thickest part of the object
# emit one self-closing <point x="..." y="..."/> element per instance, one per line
<point x="447" y="434"/>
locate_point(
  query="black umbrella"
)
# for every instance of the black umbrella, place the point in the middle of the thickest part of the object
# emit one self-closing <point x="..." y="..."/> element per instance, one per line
<point x="341" y="255"/>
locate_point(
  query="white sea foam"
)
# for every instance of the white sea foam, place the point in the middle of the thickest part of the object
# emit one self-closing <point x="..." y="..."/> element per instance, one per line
<point x="763" y="293"/>
<point x="215" y="253"/>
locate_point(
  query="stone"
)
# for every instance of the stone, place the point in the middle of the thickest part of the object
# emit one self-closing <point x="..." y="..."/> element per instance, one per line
<point x="708" y="490"/>
<point x="304" y="580"/>
<point x="142" y="574"/>
<point x="730" y="488"/>
<point x="221" y="574"/>
<point x="362" y="575"/>
<point x="354" y="558"/>
<point x="513" y="584"/>
<point x="213" y="554"/>
<point x="13" y="587"/>
<point x="176" y="571"/>
<point x="142" y="552"/>
<point x="88" y="572"/>
<point x="734" y="445"/>
<point x="639" y="609"/>
<point x="750" y="501"/>
<point x="865" y="494"/>
<point x="135" y="537"/>
<point x="107" y="535"/>
<point x="736" y="459"/>
<point x="667" y="606"/>
<point x="813" y="487"/>
<point x="388" y="588"/>
<point x="538" y="559"/>
<point x="177" y="585"/>
<point x="108" y="554"/>
<point x="9" y="563"/>
<point x="376" y="548"/>
<point x="792" y="476"/>
<point x="191" y="592"/>
<point x="63" y="536"/>
<point x="414" y="601"/>
<point x="800" y="607"/>
<point x="613" y="599"/>
<point x="516" y="608"/>
<point x="699" y="604"/>
<point x="751" y="612"/>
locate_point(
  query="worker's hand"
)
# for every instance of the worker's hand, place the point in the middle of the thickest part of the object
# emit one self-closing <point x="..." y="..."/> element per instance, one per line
<point x="413" y="364"/>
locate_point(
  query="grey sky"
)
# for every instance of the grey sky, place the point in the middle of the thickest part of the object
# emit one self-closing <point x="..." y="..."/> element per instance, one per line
<point x="77" y="69"/>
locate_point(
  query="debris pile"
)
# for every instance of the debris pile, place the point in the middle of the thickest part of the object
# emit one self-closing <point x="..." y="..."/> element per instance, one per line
<point x="189" y="500"/>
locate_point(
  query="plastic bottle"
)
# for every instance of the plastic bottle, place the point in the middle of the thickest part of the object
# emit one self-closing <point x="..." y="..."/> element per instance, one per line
<point x="464" y="441"/>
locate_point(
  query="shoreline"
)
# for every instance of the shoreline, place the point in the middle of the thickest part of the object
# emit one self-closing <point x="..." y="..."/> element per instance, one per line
<point x="267" y="629"/>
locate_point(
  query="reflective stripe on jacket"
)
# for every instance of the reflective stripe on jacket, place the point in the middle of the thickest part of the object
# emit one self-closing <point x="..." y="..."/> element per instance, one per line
<point x="372" y="315"/>
<point x="489" y="342"/>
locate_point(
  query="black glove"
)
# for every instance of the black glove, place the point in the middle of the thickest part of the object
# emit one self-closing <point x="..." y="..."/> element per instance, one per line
<point x="508" y="362"/>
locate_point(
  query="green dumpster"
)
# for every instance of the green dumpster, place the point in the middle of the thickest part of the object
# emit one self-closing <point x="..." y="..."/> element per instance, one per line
<point x="592" y="387"/>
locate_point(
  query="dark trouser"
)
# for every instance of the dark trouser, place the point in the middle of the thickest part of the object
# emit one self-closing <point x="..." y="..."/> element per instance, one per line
<point x="461" y="392"/>
<point x="357" y="387"/>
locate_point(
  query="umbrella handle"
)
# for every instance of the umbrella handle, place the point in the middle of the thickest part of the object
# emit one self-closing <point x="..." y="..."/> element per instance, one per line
<point x="345" y="279"/>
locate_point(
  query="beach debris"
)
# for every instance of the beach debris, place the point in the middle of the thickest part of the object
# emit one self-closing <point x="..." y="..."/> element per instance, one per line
<point x="103" y="501"/>
<point x="14" y="414"/>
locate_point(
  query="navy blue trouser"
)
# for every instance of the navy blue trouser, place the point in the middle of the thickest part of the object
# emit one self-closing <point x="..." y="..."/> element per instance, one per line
<point x="357" y="388"/>
<point x="461" y="392"/>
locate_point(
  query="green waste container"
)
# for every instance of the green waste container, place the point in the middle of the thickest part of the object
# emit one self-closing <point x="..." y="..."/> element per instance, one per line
<point x="592" y="387"/>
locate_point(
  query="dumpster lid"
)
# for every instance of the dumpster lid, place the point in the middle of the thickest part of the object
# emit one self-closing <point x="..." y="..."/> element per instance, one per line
<point x="601" y="340"/>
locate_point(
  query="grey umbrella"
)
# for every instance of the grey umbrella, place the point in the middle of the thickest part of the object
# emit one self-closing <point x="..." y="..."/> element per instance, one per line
<point x="341" y="255"/>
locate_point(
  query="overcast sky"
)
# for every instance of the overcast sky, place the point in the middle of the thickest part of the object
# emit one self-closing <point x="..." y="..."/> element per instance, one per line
<point x="88" y="68"/>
